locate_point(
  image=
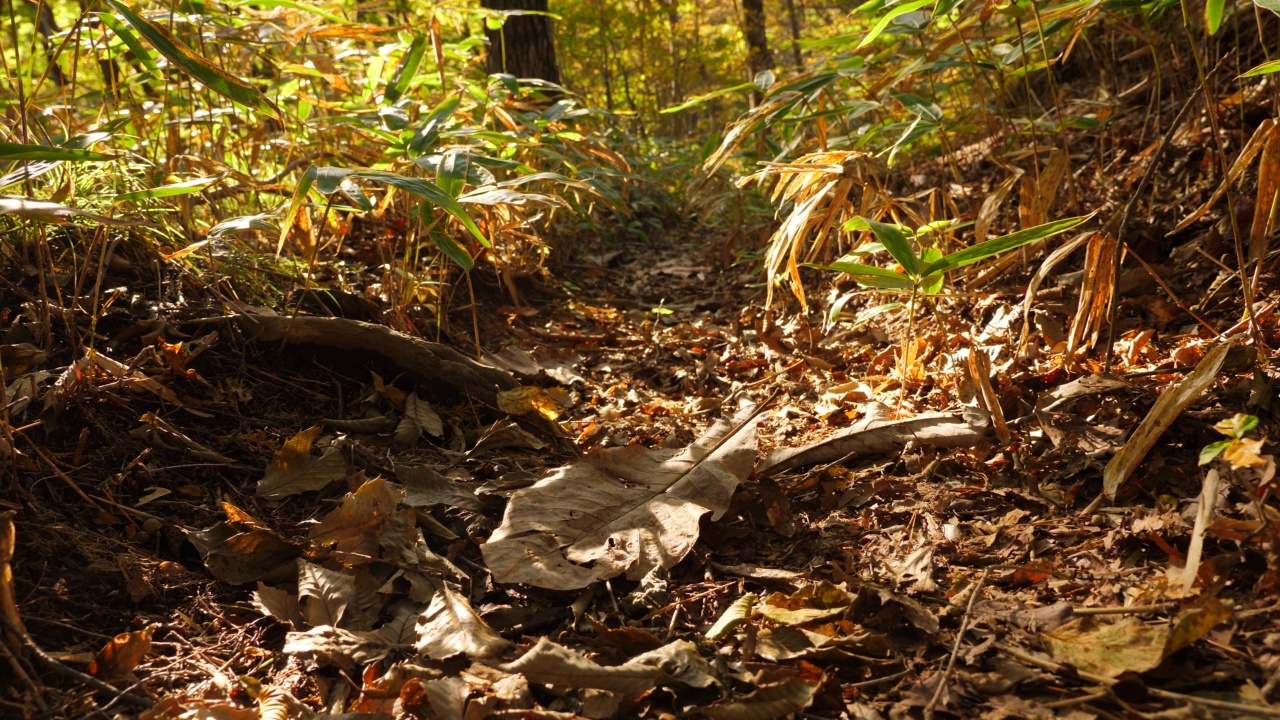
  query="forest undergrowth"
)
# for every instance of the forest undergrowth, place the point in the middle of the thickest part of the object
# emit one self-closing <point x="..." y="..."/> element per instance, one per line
<point x="343" y="378"/>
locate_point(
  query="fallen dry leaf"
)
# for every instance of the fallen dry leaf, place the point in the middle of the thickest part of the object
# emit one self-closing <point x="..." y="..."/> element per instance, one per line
<point x="1108" y="649"/>
<point x="324" y="594"/>
<point x="620" y="510"/>
<point x="1170" y="404"/>
<point x="293" y="470"/>
<point x="556" y="665"/>
<point x="122" y="653"/>
<point x="878" y="434"/>
<point x="241" y="549"/>
<point x="352" y="528"/>
<point x="449" y="627"/>
<point x="768" y="702"/>
<point x="419" y="418"/>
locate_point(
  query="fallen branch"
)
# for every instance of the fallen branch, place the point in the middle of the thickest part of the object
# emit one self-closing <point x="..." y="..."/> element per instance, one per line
<point x="432" y="364"/>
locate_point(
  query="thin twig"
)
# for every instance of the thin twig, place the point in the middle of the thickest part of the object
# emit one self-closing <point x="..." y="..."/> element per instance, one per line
<point x="22" y="675"/>
<point x="53" y="664"/>
<point x="1131" y="610"/>
<point x="955" y="648"/>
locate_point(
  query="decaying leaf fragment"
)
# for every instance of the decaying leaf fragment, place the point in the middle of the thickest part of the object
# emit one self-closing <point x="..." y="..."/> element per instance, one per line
<point x="1167" y="408"/>
<point x="554" y="664"/>
<point x="620" y="510"/>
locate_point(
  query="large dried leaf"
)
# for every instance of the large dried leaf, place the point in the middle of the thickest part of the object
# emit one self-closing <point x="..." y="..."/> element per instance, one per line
<point x="241" y="549"/>
<point x="346" y="649"/>
<point x="1167" y="408"/>
<point x="293" y="470"/>
<point x="1109" y="649"/>
<point x="451" y="627"/>
<point x="122" y="653"/>
<point x="619" y="510"/>
<point x="771" y="701"/>
<point x="353" y="527"/>
<point x="553" y="664"/>
<point x="325" y="594"/>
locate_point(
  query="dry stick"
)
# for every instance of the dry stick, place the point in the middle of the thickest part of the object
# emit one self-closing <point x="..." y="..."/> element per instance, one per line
<point x="1060" y="669"/>
<point x="55" y="665"/>
<point x="65" y="478"/>
<point x="955" y="649"/>
<point x="1130" y="610"/>
<point x="1127" y="215"/>
<point x="22" y="675"/>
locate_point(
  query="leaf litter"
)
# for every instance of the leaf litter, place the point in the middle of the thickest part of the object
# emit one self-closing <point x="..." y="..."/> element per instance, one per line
<point x="757" y="524"/>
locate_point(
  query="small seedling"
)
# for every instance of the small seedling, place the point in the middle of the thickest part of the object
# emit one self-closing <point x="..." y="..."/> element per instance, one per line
<point x="925" y="273"/>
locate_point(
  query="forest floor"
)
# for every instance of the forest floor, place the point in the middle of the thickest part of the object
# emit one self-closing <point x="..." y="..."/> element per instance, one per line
<point x="206" y="521"/>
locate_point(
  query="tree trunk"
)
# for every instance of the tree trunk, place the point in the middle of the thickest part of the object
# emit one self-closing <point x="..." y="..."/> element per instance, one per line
<point x="523" y="46"/>
<point x="794" y="16"/>
<point x="759" y="58"/>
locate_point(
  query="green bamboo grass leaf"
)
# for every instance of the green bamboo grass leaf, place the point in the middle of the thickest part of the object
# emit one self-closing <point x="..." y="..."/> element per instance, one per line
<point x="700" y="99"/>
<point x="987" y="249"/>
<point x="427" y="191"/>
<point x="872" y="276"/>
<point x="429" y="133"/>
<point x="408" y="69"/>
<point x="1265" y="68"/>
<point x="1213" y="11"/>
<point x="19" y="151"/>
<point x="180" y="188"/>
<point x="195" y="65"/>
<point x="292" y="5"/>
<point x="299" y="194"/>
<point x="131" y="41"/>
<point x="447" y="245"/>
<point x="931" y="284"/>
<point x="888" y="17"/>
<point x="896" y="242"/>
<point x="451" y="174"/>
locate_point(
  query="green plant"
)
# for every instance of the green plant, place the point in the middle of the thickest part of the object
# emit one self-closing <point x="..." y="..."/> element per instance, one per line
<point x="1235" y="449"/>
<point x="923" y="272"/>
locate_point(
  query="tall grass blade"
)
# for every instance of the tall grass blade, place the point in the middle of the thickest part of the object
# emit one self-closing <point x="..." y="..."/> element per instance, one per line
<point x="19" y="151"/>
<point x="993" y="247"/>
<point x="408" y="69"/>
<point x="132" y="42"/>
<point x="195" y="65"/>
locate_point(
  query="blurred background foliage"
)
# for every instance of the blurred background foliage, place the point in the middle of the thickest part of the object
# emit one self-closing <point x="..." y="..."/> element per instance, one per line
<point x="268" y="145"/>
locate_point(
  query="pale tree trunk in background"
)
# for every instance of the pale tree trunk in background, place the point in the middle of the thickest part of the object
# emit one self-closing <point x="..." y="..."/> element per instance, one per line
<point x="759" y="58"/>
<point x="524" y="46"/>
<point x="795" y="33"/>
<point x="605" y="47"/>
